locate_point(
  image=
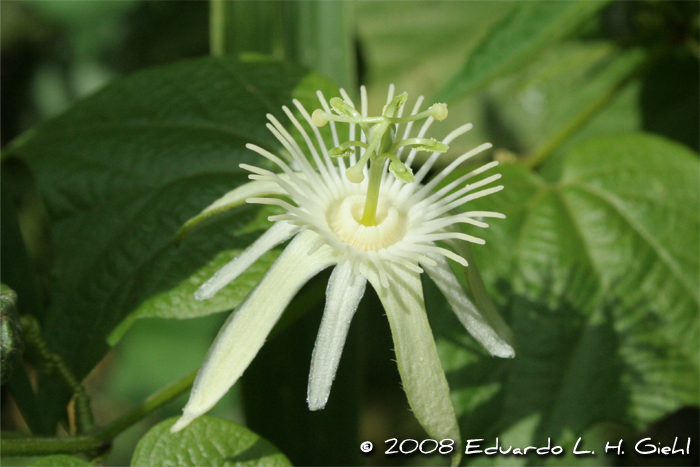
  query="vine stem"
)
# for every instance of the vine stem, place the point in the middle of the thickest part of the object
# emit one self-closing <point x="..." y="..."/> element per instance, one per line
<point x="543" y="152"/>
<point x="33" y="446"/>
<point x="32" y="335"/>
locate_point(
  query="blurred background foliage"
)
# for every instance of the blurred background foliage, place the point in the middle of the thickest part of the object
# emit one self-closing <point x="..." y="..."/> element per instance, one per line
<point x="593" y="107"/>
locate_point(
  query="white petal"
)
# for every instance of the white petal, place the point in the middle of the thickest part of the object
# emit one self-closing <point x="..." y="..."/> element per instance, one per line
<point x="465" y="310"/>
<point x="275" y="235"/>
<point x="416" y="355"/>
<point x="343" y="294"/>
<point x="244" y="333"/>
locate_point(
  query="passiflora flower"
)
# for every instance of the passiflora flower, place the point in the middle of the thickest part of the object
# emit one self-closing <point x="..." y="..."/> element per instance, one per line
<point x="372" y="225"/>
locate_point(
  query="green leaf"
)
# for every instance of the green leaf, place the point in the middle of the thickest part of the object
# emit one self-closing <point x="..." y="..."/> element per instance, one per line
<point x="179" y="302"/>
<point x="124" y="169"/>
<point x="207" y="441"/>
<point x="529" y="29"/>
<point x="597" y="273"/>
<point x="59" y="460"/>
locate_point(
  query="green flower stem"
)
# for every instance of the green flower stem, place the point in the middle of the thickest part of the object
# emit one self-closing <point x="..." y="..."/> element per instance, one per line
<point x="14" y="447"/>
<point x="376" y="169"/>
<point x="539" y="156"/>
<point x="150" y="404"/>
<point x="100" y="439"/>
<point x="217" y="28"/>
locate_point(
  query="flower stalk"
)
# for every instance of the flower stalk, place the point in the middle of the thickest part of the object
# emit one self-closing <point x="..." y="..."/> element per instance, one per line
<point x="99" y="439"/>
<point x="369" y="214"/>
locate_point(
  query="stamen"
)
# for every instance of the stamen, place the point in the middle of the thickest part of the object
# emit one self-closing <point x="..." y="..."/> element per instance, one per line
<point x="447" y="140"/>
<point x="437" y="111"/>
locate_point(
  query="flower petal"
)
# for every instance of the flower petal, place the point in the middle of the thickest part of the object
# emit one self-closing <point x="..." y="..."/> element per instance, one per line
<point x="230" y="200"/>
<point x="275" y="235"/>
<point x="416" y="355"/>
<point x="244" y="333"/>
<point x="466" y="311"/>
<point x="343" y="294"/>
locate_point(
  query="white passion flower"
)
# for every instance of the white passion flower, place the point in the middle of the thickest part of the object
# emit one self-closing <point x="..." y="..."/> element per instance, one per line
<point x="371" y="225"/>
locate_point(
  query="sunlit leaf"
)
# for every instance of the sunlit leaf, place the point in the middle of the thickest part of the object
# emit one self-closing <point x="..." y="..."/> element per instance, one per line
<point x="207" y="441"/>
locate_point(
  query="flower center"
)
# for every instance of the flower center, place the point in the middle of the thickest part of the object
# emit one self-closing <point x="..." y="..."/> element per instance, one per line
<point x="344" y="220"/>
<point x="381" y="145"/>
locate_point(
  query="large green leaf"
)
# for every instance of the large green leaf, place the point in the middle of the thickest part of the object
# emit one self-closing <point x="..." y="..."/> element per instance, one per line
<point x="597" y="273"/>
<point x="528" y="30"/>
<point x="207" y="441"/>
<point x="123" y="170"/>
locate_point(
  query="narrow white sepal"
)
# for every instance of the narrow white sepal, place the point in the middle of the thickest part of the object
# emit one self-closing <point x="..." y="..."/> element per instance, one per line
<point x="275" y="235"/>
<point x="343" y="294"/>
<point x="245" y="331"/>
<point x="466" y="311"/>
<point x="238" y="195"/>
<point x="230" y="200"/>
<point x="416" y="355"/>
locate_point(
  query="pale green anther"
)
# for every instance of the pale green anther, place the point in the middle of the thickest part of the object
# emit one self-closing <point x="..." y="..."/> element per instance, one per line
<point x="421" y="144"/>
<point x="340" y="152"/>
<point x="343" y="108"/>
<point x="401" y="172"/>
<point x="398" y="169"/>
<point x="396" y="103"/>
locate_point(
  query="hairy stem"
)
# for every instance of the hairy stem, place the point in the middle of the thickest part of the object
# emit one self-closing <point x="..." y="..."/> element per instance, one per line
<point x="53" y="362"/>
